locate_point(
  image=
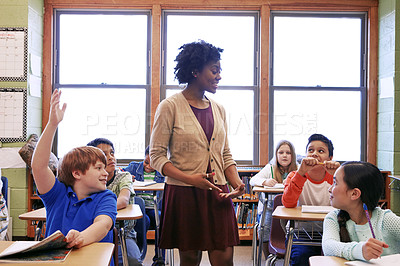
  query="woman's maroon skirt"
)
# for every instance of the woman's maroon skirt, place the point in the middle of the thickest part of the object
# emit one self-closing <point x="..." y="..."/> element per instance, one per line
<point x="197" y="219"/>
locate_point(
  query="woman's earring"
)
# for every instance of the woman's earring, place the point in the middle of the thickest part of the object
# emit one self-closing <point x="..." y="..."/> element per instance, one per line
<point x="194" y="75"/>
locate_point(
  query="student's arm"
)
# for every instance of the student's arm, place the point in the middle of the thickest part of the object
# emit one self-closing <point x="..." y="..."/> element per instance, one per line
<point x="234" y="180"/>
<point x="293" y="188"/>
<point x="44" y="177"/>
<point x="123" y="198"/>
<point x="263" y="178"/>
<point x="94" y="233"/>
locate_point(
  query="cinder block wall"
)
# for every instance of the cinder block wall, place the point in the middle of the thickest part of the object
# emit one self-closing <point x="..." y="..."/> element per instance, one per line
<point x="389" y="107"/>
<point x="23" y="13"/>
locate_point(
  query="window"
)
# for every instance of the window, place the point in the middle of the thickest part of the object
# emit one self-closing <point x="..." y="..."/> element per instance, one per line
<point x="236" y="33"/>
<point x="102" y="69"/>
<point x="318" y="77"/>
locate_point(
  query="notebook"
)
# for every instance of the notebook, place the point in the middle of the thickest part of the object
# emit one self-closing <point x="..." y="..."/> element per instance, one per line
<point x="317" y="209"/>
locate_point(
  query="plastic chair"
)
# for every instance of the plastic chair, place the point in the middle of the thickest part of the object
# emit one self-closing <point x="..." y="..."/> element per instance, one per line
<point x="140" y="229"/>
<point x="277" y="236"/>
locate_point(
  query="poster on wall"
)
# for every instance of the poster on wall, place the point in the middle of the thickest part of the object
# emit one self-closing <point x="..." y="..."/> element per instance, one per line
<point x="13" y="54"/>
<point x="12" y="114"/>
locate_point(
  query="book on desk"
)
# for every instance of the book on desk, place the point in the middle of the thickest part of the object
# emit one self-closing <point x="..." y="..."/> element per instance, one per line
<point x="52" y="248"/>
<point x="143" y="183"/>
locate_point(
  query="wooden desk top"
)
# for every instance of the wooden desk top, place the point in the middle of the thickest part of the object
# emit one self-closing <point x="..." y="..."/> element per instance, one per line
<point x="96" y="254"/>
<point x="131" y="212"/>
<point x="282" y="212"/>
<point x="153" y="187"/>
<point x="326" y="261"/>
<point x="268" y="189"/>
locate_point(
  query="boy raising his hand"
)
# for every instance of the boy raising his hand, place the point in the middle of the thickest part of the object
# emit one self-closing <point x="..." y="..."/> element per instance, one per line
<point x="77" y="201"/>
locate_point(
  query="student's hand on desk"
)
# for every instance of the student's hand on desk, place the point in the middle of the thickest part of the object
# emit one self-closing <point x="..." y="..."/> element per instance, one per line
<point x="200" y="181"/>
<point x="239" y="190"/>
<point x="373" y="248"/>
<point x="74" y="239"/>
<point x="270" y="182"/>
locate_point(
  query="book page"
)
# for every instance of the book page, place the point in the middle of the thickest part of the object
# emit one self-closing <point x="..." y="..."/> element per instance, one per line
<point x="317" y="209"/>
<point x="277" y="185"/>
<point x="388" y="260"/>
<point x="143" y="183"/>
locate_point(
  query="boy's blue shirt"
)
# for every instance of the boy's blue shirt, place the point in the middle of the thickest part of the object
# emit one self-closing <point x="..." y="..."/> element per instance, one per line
<point x="137" y="170"/>
<point x="64" y="212"/>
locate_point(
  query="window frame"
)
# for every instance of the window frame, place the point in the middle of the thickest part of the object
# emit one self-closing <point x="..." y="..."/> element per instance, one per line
<point x="56" y="84"/>
<point x="363" y="73"/>
<point x="256" y="76"/>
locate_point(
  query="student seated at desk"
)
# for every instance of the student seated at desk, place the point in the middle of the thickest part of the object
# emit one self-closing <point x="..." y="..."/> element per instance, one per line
<point x="4" y="218"/>
<point x="309" y="186"/>
<point x="121" y="184"/>
<point x="347" y="232"/>
<point x="77" y="201"/>
<point x="275" y="172"/>
<point x="142" y="171"/>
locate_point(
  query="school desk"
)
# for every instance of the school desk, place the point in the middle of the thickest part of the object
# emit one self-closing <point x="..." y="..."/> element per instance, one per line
<point x="295" y="215"/>
<point x="131" y="212"/>
<point x="96" y="254"/>
<point x="326" y="261"/>
<point x="155" y="188"/>
<point x="266" y="190"/>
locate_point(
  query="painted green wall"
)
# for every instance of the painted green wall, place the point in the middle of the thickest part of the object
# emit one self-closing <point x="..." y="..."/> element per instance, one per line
<point x="23" y="13"/>
<point x="388" y="153"/>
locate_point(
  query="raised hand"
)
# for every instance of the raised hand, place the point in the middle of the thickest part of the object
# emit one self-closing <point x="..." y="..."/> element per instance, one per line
<point x="56" y="113"/>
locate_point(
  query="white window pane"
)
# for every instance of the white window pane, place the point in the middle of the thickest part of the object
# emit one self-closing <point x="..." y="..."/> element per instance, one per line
<point x="116" y="114"/>
<point x="234" y="34"/>
<point x="97" y="49"/>
<point x="240" y="120"/>
<point x="298" y="114"/>
<point x="317" y="52"/>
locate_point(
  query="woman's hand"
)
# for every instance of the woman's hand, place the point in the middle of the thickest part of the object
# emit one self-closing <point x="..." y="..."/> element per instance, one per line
<point x="373" y="248"/>
<point x="200" y="181"/>
<point x="270" y="182"/>
<point x="239" y="190"/>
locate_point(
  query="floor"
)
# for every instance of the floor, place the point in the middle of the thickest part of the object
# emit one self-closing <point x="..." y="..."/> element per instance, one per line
<point x="242" y="256"/>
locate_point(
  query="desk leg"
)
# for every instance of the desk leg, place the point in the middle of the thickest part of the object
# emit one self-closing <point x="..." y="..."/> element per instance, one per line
<point x="254" y="244"/>
<point x="289" y="243"/>
<point x="157" y="231"/>
<point x="262" y="223"/>
<point x="38" y="231"/>
<point x="123" y="244"/>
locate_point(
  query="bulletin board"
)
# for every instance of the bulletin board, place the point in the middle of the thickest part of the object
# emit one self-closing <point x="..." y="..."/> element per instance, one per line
<point x="13" y="54"/>
<point x="13" y="114"/>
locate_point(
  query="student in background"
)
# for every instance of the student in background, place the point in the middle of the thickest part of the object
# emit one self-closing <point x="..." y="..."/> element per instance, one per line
<point x="4" y="217"/>
<point x="142" y="171"/>
<point x="347" y="232"/>
<point x="77" y="201"/>
<point x="189" y="147"/>
<point x="121" y="184"/>
<point x="309" y="186"/>
<point x="282" y="164"/>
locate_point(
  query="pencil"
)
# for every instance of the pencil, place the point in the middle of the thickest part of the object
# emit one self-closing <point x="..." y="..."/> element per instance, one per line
<point x="369" y="219"/>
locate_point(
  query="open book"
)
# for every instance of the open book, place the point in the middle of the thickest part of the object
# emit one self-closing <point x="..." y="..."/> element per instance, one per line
<point x="52" y="248"/>
<point x="143" y="183"/>
<point x="316" y="209"/>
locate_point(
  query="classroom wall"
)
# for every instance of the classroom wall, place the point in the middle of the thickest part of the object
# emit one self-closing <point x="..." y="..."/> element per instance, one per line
<point x="23" y="13"/>
<point x="388" y="152"/>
